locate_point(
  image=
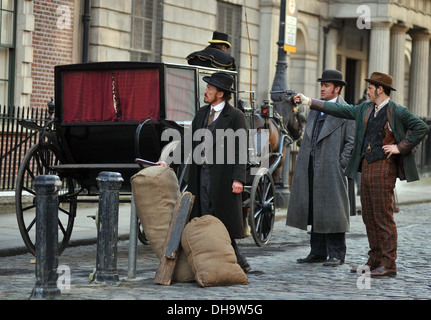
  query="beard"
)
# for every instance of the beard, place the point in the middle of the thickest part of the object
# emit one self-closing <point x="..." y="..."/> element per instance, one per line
<point x="207" y="100"/>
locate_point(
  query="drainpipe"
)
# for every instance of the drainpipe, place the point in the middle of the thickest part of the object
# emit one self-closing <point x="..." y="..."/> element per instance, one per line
<point x="86" y="18"/>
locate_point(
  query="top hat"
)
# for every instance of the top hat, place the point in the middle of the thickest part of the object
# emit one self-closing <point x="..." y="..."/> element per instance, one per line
<point x="381" y="79"/>
<point x="219" y="37"/>
<point x="333" y="76"/>
<point x="221" y="80"/>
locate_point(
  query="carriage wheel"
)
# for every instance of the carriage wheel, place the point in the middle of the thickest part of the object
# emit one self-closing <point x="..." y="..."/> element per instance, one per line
<point x="39" y="161"/>
<point x="262" y="207"/>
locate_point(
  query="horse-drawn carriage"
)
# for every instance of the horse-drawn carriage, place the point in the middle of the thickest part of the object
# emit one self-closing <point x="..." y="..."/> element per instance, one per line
<point x="107" y="115"/>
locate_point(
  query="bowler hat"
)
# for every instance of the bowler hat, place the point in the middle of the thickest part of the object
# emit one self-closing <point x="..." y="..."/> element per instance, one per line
<point x="381" y="79"/>
<point x="221" y="80"/>
<point x="333" y="76"/>
<point x="219" y="37"/>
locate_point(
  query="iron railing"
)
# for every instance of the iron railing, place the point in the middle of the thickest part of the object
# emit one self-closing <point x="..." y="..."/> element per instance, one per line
<point x="16" y="140"/>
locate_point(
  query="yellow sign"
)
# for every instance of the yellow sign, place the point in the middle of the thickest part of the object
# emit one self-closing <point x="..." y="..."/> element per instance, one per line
<point x="291" y="23"/>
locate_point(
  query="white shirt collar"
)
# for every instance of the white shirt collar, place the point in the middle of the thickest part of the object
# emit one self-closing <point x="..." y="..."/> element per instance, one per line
<point x="380" y="106"/>
<point x="219" y="107"/>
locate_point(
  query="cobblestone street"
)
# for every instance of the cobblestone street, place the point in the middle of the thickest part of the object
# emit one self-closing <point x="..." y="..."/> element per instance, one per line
<point x="275" y="273"/>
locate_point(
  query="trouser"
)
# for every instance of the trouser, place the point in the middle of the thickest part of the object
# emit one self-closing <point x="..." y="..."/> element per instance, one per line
<point x="204" y="192"/>
<point x="377" y="192"/>
<point x="332" y="245"/>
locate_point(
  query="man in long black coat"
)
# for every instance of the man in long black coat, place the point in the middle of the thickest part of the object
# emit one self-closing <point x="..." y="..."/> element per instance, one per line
<point x="216" y="182"/>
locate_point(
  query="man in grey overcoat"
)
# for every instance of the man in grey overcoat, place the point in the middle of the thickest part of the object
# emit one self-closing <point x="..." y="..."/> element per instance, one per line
<point x="319" y="193"/>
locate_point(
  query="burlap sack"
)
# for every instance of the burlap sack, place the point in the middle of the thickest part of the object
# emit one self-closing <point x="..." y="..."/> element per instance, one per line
<point x="155" y="191"/>
<point x="210" y="254"/>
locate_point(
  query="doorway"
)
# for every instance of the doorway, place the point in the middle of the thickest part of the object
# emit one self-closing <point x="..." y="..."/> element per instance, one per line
<point x="349" y="94"/>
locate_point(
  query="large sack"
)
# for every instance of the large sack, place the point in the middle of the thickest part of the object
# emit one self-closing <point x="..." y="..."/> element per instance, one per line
<point x="155" y="191"/>
<point x="210" y="254"/>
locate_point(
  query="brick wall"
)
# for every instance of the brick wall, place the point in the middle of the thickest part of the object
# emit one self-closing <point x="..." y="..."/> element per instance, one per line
<point x="52" y="45"/>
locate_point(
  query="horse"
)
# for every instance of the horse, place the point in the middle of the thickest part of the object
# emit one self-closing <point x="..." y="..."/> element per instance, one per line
<point x="288" y="120"/>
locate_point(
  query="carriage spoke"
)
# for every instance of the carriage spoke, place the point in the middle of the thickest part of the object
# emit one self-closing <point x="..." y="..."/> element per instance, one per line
<point x="267" y="190"/>
<point x="60" y="225"/>
<point x="30" y="173"/>
<point x="258" y="219"/>
<point x="30" y="226"/>
<point x="64" y="211"/>
<point x="28" y="208"/>
<point x="29" y="190"/>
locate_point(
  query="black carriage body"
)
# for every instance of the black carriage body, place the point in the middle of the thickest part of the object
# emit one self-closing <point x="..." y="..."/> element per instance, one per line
<point x="99" y="107"/>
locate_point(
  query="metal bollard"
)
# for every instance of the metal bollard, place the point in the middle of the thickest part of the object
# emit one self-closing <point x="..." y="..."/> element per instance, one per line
<point x="133" y="240"/>
<point x="107" y="228"/>
<point x="46" y="187"/>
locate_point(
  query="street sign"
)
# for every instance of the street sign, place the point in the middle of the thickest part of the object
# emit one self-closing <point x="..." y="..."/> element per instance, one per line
<point x="290" y="26"/>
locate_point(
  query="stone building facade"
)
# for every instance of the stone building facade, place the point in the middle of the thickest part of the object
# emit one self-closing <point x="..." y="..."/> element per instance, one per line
<point x="356" y="37"/>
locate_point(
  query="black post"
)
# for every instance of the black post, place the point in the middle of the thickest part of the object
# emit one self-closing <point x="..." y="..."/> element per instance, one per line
<point x="279" y="85"/>
<point x="46" y="188"/>
<point x="107" y="228"/>
<point x="280" y="79"/>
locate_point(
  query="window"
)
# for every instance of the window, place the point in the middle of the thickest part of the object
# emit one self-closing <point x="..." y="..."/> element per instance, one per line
<point x="146" y="35"/>
<point x="7" y="54"/>
<point x="229" y="21"/>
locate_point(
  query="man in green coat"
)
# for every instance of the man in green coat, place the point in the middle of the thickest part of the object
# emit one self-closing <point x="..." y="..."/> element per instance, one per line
<point x="382" y="152"/>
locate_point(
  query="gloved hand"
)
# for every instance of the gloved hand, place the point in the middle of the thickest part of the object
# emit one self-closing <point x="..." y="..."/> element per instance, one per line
<point x="303" y="99"/>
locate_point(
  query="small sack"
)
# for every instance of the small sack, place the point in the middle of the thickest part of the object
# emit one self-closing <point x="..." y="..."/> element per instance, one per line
<point x="155" y="192"/>
<point x="206" y="242"/>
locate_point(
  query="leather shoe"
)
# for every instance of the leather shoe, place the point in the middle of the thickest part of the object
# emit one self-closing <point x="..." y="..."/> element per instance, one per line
<point x="382" y="272"/>
<point x="333" y="262"/>
<point x="312" y="259"/>
<point x="240" y="259"/>
<point x="243" y="263"/>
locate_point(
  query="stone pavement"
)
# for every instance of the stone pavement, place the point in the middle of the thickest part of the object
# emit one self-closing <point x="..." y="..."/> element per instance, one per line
<point x="275" y="274"/>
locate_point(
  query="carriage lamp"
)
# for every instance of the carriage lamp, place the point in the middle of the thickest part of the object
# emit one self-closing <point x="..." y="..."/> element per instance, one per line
<point x="266" y="110"/>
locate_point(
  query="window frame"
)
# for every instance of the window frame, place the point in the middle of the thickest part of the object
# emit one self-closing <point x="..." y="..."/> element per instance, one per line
<point x="235" y="39"/>
<point x="10" y="80"/>
<point x="153" y="55"/>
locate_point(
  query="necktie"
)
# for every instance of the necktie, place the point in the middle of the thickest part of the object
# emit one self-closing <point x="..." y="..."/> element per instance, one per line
<point x="376" y="110"/>
<point x="211" y="117"/>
